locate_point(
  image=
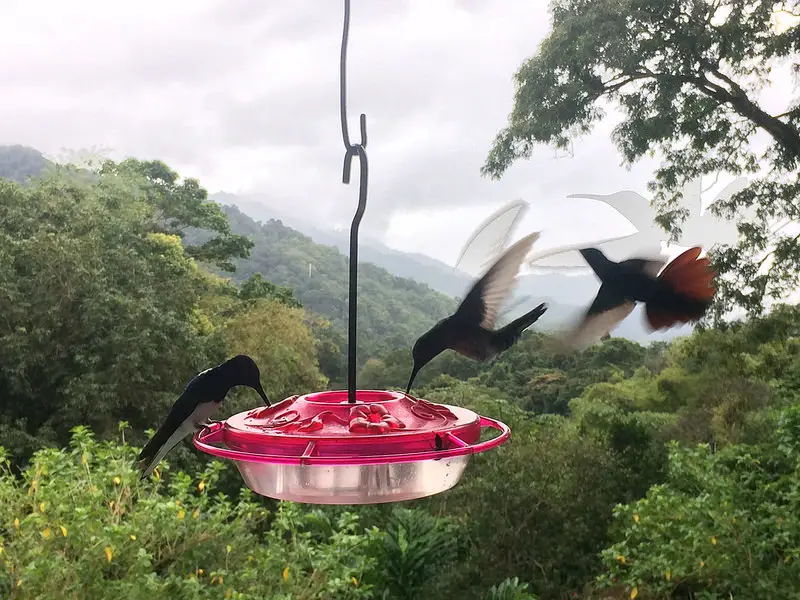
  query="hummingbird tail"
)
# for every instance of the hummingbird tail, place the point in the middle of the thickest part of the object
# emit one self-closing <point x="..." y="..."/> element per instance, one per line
<point x="511" y="332"/>
<point x="691" y="278"/>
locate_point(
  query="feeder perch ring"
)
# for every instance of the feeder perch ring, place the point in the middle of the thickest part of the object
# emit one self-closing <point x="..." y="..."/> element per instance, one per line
<point x="322" y="449"/>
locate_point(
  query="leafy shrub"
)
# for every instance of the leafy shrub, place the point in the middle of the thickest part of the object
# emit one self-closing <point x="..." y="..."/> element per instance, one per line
<point x="80" y="524"/>
<point x="723" y="526"/>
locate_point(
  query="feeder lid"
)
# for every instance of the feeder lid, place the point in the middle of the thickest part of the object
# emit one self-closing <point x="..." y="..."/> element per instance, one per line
<point x="381" y="426"/>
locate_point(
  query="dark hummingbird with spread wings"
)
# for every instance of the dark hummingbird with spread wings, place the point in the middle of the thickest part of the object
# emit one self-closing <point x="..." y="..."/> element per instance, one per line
<point x="469" y="331"/>
<point x="680" y="293"/>
<point x="200" y="399"/>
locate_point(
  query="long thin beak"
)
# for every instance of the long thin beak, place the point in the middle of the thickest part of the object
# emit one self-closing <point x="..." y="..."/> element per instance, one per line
<point x="263" y="395"/>
<point x="411" y="379"/>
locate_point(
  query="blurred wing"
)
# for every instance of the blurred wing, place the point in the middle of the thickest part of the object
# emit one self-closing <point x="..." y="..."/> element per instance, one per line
<point x="650" y="266"/>
<point x="538" y="255"/>
<point x="484" y="300"/>
<point x="606" y="312"/>
<point x="507" y="310"/>
<point x="489" y="240"/>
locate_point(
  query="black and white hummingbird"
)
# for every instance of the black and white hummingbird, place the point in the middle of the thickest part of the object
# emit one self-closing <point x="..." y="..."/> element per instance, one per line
<point x="469" y="330"/>
<point x="678" y="294"/>
<point x="199" y="400"/>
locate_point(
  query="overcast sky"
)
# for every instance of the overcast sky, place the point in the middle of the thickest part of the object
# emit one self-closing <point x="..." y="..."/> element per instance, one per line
<point x="243" y="94"/>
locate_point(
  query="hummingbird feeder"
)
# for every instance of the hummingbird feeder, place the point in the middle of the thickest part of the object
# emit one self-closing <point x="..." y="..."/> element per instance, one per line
<point x="354" y="446"/>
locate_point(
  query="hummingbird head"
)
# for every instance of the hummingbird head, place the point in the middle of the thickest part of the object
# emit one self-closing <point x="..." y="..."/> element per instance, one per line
<point x="242" y="370"/>
<point x="597" y="261"/>
<point x="425" y="349"/>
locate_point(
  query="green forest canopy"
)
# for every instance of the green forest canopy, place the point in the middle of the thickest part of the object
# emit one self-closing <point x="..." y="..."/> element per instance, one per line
<point x="659" y="472"/>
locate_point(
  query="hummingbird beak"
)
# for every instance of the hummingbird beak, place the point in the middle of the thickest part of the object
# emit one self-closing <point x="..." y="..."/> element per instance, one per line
<point x="261" y="393"/>
<point x="413" y="375"/>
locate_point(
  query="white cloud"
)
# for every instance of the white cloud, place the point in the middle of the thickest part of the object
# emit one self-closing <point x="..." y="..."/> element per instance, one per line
<point x="243" y="94"/>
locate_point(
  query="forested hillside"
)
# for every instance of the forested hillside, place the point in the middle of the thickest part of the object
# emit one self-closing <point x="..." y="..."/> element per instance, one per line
<point x="567" y="295"/>
<point x="108" y="311"/>
<point x="393" y="311"/>
<point x="662" y="472"/>
<point x="19" y="163"/>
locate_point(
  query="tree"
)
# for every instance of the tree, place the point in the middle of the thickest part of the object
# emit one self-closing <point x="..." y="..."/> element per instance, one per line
<point x="179" y="205"/>
<point x="258" y="287"/>
<point x="98" y="313"/>
<point x="722" y="526"/>
<point x="282" y="346"/>
<point x="685" y="75"/>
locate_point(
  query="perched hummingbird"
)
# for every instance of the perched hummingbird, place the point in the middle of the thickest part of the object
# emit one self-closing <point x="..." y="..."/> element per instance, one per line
<point x="680" y="293"/>
<point x="469" y="331"/>
<point x="199" y="400"/>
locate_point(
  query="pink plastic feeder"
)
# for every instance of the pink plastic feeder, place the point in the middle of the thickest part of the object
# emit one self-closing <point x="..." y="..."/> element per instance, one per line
<point x="322" y="449"/>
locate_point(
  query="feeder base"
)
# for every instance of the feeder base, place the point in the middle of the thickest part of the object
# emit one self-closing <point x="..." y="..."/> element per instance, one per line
<point x="353" y="484"/>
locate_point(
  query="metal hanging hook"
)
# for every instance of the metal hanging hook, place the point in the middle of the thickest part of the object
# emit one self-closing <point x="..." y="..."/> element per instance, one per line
<point x="351" y="150"/>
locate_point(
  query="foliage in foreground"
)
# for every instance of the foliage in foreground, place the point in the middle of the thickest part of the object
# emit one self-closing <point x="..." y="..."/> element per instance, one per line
<point x="724" y="525"/>
<point x="80" y="524"/>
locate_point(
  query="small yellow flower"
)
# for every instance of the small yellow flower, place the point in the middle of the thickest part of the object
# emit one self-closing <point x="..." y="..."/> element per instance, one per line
<point x="111" y="505"/>
<point x="201" y="486"/>
<point x="250" y="558"/>
<point x="355" y="581"/>
<point x="229" y="592"/>
<point x="620" y="559"/>
<point x="157" y="474"/>
<point x="200" y="571"/>
<point x="635" y="517"/>
<point x="46" y="533"/>
<point x="228" y="549"/>
<point x="83" y="459"/>
<point x="213" y="579"/>
<point x="177" y="502"/>
<point x="117" y="480"/>
<point x="667" y="575"/>
<point x="16" y="523"/>
<point x="109" y="553"/>
<point x="702" y="564"/>
<point x="713" y="540"/>
<point x="41" y="506"/>
<point x="133" y="537"/>
<point x="1" y="549"/>
<point x="19" y="582"/>
<point x="286" y="574"/>
<point x="634" y="592"/>
<point x="63" y="531"/>
<point x="196" y="513"/>
<point x="181" y="513"/>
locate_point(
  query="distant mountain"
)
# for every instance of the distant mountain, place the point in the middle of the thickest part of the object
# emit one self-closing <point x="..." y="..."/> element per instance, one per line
<point x="567" y="295"/>
<point x="20" y="163"/>
<point x="392" y="310"/>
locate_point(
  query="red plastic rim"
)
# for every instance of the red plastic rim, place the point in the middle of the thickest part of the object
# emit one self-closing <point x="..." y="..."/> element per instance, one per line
<point x="324" y="429"/>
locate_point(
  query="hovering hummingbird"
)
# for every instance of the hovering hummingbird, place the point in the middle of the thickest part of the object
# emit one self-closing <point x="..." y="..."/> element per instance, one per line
<point x="469" y="330"/>
<point x="680" y="293"/>
<point x="199" y="400"/>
